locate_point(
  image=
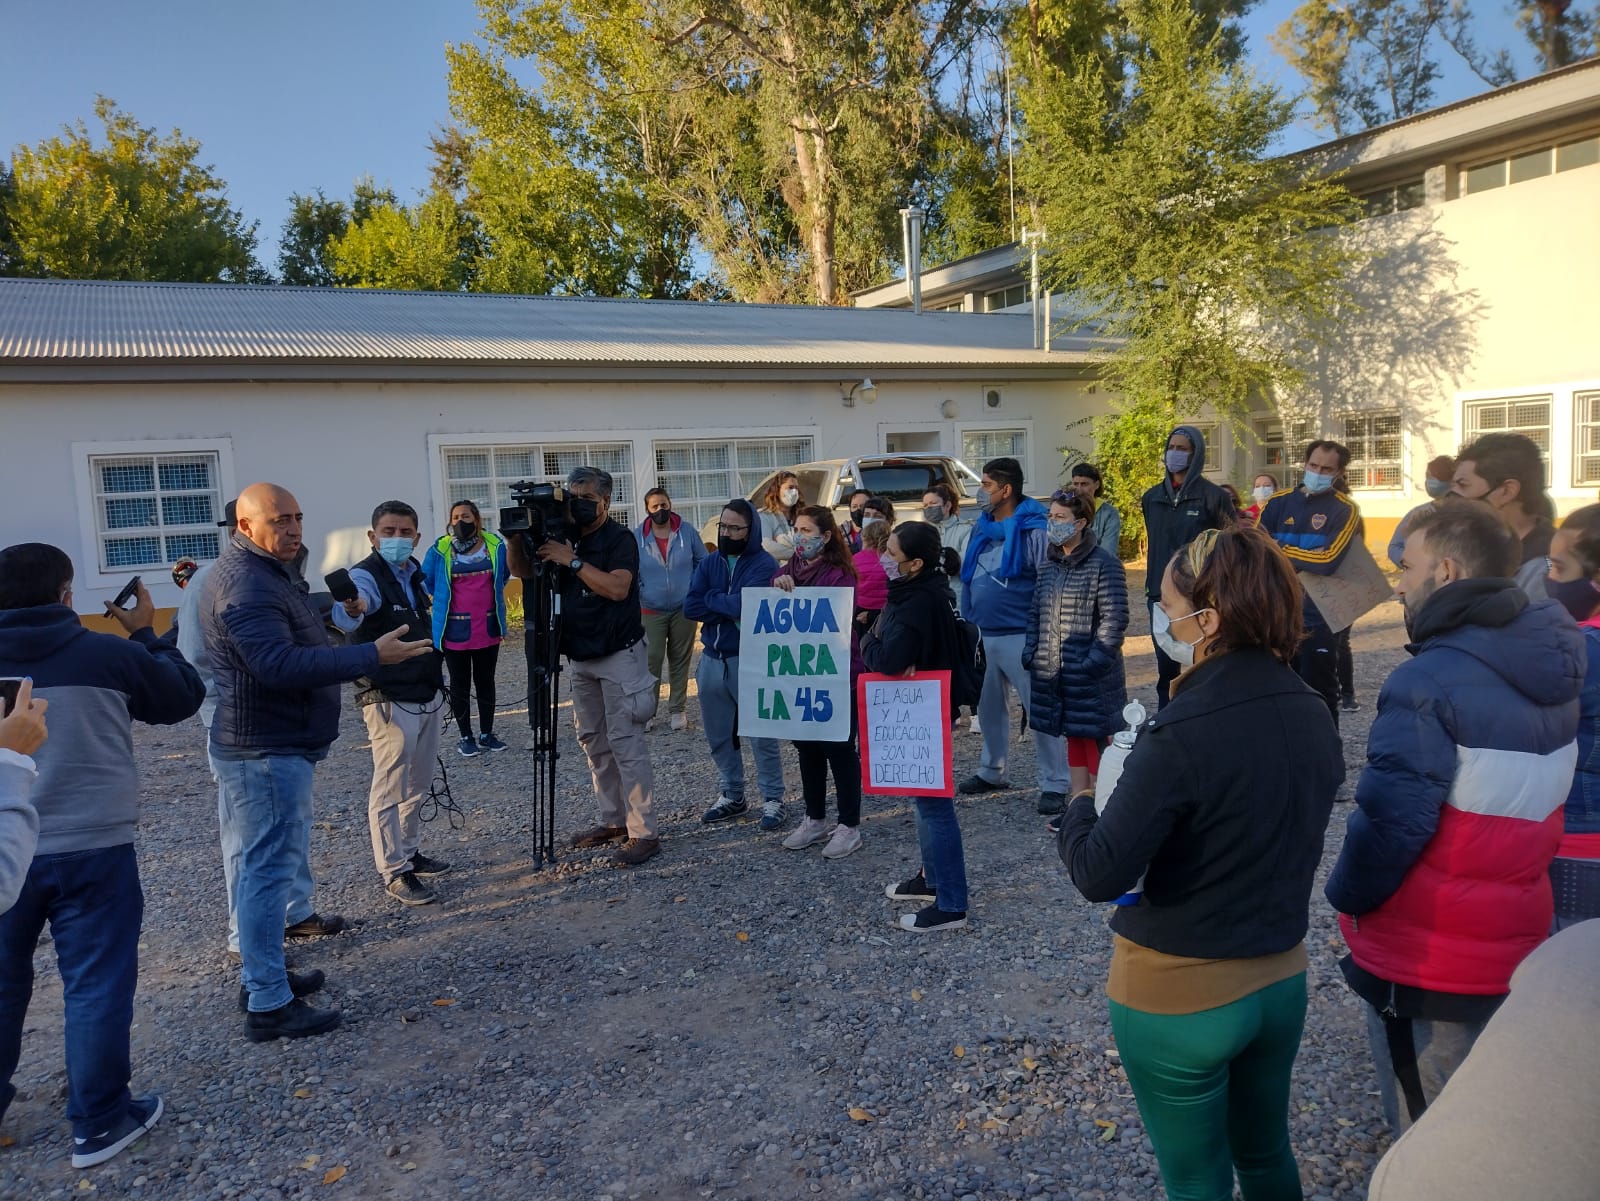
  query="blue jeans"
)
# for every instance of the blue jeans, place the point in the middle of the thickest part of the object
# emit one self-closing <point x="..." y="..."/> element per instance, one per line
<point x="1003" y="654"/>
<point x="718" y="683"/>
<point x="944" y="866"/>
<point x="299" y="907"/>
<point x="265" y="805"/>
<point x="95" y="907"/>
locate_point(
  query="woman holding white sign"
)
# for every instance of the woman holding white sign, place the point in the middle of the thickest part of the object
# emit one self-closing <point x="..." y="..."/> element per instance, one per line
<point x="822" y="560"/>
<point x="917" y="632"/>
<point x="1222" y="804"/>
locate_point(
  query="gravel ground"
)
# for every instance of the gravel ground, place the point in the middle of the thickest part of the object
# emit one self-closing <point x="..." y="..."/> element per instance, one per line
<point x="732" y="1020"/>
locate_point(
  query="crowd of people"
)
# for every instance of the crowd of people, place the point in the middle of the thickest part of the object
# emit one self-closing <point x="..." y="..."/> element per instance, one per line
<point x="1475" y="833"/>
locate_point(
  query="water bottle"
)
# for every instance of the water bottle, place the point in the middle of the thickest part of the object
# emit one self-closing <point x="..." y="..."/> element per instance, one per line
<point x="1111" y="764"/>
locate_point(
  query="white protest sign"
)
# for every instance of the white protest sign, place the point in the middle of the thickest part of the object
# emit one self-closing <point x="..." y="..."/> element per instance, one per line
<point x="794" y="663"/>
<point x="906" y="749"/>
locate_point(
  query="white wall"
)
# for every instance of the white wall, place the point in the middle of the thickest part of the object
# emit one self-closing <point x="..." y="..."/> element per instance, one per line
<point x="342" y="447"/>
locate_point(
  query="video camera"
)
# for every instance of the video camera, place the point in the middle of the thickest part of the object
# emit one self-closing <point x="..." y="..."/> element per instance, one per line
<point x="540" y="512"/>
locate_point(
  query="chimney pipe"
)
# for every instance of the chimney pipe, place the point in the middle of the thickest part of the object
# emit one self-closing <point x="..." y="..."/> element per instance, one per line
<point x="911" y="236"/>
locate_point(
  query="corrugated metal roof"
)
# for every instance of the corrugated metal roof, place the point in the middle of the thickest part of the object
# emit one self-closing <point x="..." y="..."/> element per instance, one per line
<point x="85" y="322"/>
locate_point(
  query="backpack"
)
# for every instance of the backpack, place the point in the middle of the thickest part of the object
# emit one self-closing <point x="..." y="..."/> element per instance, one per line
<point x="966" y="673"/>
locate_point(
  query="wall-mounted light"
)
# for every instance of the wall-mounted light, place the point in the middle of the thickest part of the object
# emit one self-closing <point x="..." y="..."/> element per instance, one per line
<point x="866" y="389"/>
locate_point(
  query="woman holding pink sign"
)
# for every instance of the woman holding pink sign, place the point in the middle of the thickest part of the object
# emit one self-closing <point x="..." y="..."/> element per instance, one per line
<point x="1221" y="805"/>
<point x="917" y="632"/>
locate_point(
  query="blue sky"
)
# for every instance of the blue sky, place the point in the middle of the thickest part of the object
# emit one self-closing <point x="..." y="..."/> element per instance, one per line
<point x="290" y="95"/>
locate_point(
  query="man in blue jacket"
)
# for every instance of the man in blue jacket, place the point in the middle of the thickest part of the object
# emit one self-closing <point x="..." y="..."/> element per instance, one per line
<point x="84" y="877"/>
<point x="277" y="683"/>
<point x="1315" y="524"/>
<point x="1175" y="511"/>
<point x="1003" y="556"/>
<point x="669" y="551"/>
<point x="715" y="599"/>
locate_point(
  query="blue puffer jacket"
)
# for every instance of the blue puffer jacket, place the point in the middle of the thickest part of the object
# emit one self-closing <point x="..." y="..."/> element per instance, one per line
<point x="277" y="679"/>
<point x="1583" y="802"/>
<point x="1073" y="651"/>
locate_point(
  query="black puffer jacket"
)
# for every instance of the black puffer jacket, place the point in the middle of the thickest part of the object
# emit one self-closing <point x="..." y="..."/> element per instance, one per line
<point x="1073" y="651"/>
<point x="917" y="628"/>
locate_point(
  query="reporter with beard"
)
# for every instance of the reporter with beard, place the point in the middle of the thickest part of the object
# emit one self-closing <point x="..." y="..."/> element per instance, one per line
<point x="602" y="636"/>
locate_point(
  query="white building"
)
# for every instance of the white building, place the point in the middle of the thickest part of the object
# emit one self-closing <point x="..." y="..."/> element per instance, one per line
<point x="1476" y="312"/>
<point x="132" y="412"/>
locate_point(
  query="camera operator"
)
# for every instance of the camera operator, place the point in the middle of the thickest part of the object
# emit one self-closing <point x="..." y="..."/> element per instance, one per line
<point x="602" y="636"/>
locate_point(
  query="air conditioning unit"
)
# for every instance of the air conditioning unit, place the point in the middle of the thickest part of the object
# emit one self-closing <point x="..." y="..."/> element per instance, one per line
<point x="991" y="399"/>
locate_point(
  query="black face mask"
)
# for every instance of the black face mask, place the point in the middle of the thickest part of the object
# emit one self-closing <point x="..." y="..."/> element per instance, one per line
<point x="466" y="531"/>
<point x="584" y="511"/>
<point x="732" y="546"/>
<point x="661" y="517"/>
<point x="856" y="516"/>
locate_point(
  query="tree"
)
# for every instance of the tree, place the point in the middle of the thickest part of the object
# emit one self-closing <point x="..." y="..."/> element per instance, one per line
<point x="313" y="222"/>
<point x="781" y="137"/>
<point x="137" y="207"/>
<point x="1560" y="34"/>
<point x="429" y="247"/>
<point x="1170" y="222"/>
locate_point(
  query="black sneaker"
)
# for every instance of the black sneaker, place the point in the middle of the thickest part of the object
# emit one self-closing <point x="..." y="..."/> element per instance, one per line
<point x="468" y="747"/>
<point x="294" y="1020"/>
<point x="914" y="889"/>
<point x="421" y="865"/>
<point x="726" y="809"/>
<point x="490" y="743"/>
<point x="316" y="926"/>
<point x="1349" y="704"/>
<point x="1052" y="802"/>
<point x="301" y="984"/>
<point x="142" y="1113"/>
<point x="1054" y="824"/>
<point x="926" y="921"/>
<point x="974" y="784"/>
<point x="409" y="890"/>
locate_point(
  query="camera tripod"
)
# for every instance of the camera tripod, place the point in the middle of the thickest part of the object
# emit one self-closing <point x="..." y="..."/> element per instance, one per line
<point x="542" y="646"/>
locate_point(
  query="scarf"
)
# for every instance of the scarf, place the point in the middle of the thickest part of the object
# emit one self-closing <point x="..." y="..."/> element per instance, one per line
<point x="1029" y="515"/>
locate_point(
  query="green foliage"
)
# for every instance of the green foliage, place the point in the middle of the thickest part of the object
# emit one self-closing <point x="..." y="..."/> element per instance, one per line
<point x="427" y="247"/>
<point x="778" y="139"/>
<point x="137" y="206"/>
<point x="303" y="255"/>
<point x="1171" y="222"/>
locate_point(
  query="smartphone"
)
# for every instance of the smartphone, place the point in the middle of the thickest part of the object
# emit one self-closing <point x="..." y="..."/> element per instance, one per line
<point x="9" y="687"/>
<point x="129" y="591"/>
<point x="340" y="586"/>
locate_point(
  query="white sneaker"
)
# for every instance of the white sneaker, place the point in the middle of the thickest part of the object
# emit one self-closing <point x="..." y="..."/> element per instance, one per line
<point x="680" y="721"/>
<point x="845" y="839"/>
<point x="808" y="833"/>
<point x="973" y="724"/>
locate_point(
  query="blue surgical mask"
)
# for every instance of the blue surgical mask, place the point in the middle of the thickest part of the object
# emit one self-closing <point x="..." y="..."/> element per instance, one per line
<point x="1316" y="482"/>
<point x="1438" y="489"/>
<point x="1177" y="460"/>
<point x="872" y="520"/>
<point x="395" y="550"/>
<point x="1060" y="532"/>
<point x="809" y="546"/>
<point x="1173" y="647"/>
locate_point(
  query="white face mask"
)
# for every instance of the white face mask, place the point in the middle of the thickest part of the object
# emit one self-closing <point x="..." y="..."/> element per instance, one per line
<point x="790" y="496"/>
<point x="1174" y="648"/>
<point x="1262" y="494"/>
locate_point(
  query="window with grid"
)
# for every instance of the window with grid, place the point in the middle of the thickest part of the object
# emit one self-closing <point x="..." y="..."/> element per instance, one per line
<point x="152" y="510"/>
<point x="979" y="446"/>
<point x="1526" y="415"/>
<point x="703" y="474"/>
<point x="484" y="474"/>
<point x="1374" y="441"/>
<point x="1585" y="438"/>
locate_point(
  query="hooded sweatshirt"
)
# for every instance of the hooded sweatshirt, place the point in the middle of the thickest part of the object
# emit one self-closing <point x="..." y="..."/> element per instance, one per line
<point x="1443" y="882"/>
<point x="664" y="580"/>
<point x="87" y="791"/>
<point x="716" y="593"/>
<point x="1173" y="516"/>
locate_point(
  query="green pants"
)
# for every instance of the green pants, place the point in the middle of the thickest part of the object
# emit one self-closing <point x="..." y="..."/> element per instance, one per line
<point x="670" y="636"/>
<point x="1213" y="1090"/>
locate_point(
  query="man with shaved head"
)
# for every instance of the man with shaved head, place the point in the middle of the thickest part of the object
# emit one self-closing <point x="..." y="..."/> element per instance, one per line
<point x="277" y="684"/>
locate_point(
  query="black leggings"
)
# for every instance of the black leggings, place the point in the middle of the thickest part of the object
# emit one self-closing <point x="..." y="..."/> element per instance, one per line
<point x="472" y="672"/>
<point x="845" y="760"/>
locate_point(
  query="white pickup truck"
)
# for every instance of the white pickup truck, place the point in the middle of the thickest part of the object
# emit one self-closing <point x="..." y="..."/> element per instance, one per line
<point x="901" y="478"/>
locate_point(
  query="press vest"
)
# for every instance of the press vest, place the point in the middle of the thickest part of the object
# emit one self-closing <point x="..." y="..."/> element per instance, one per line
<point x="416" y="681"/>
